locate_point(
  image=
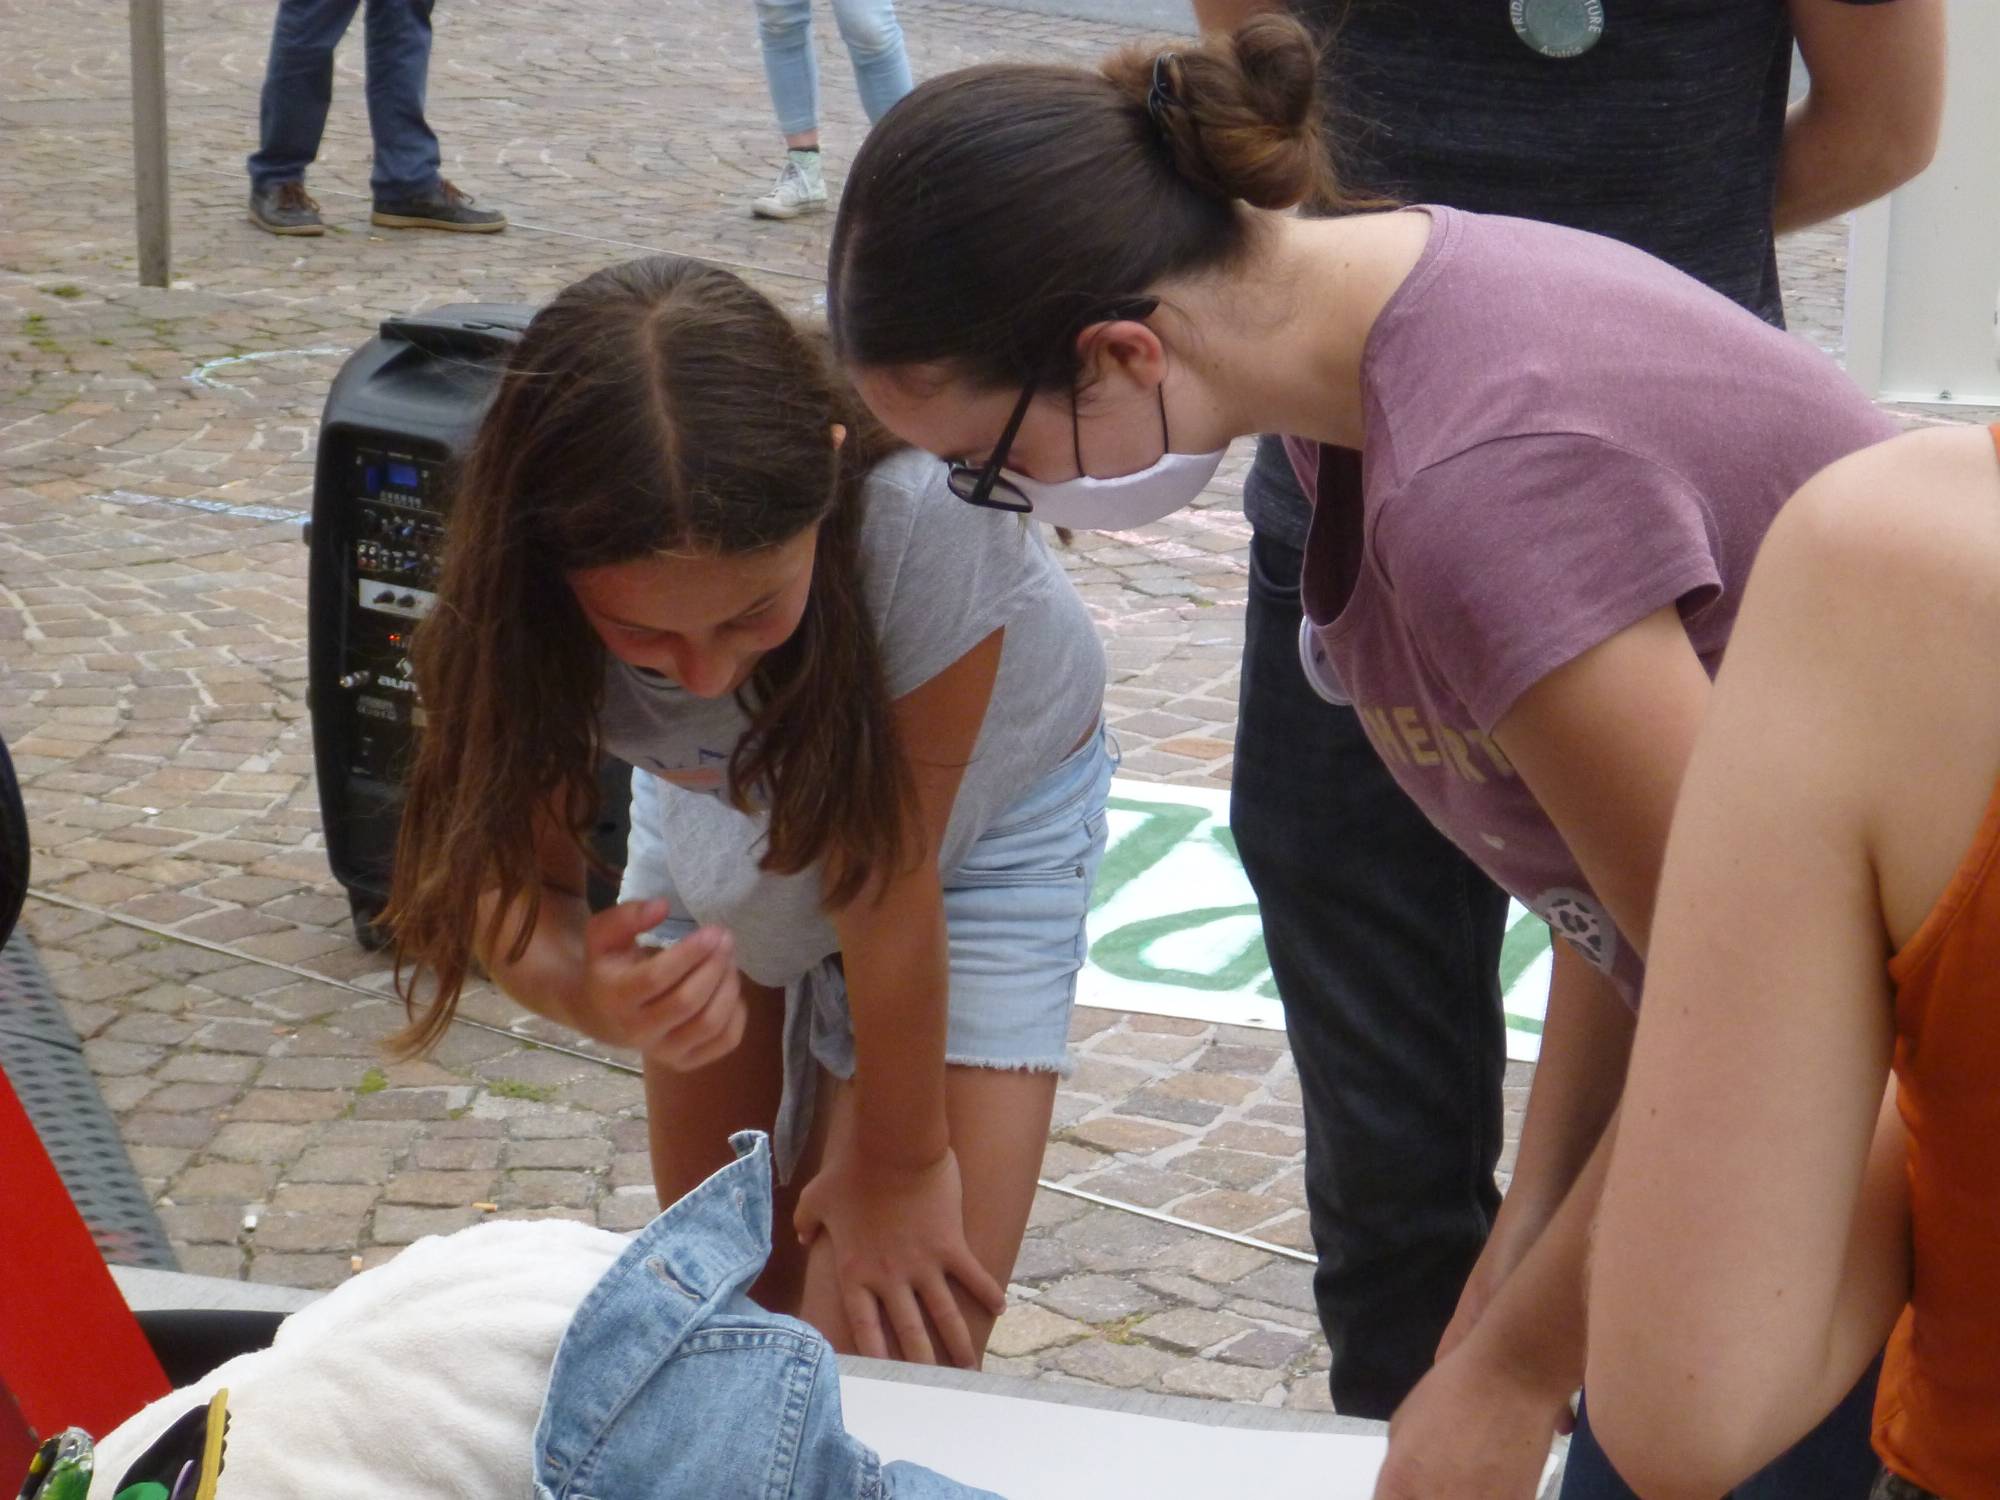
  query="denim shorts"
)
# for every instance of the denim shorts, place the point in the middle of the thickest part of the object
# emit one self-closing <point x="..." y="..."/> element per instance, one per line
<point x="1014" y="922"/>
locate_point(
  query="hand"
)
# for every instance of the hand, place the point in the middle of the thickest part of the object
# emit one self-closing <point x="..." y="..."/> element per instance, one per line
<point x="898" y="1237"/>
<point x="680" y="1006"/>
<point x="1473" y="1429"/>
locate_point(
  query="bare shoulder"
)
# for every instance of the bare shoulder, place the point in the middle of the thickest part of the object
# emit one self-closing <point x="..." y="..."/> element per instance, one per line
<point x="1871" y="616"/>
<point x="1920" y="510"/>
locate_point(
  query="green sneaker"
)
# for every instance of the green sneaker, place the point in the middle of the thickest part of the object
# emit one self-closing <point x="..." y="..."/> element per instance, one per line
<point x="286" y="209"/>
<point x="447" y="208"/>
<point x="800" y="189"/>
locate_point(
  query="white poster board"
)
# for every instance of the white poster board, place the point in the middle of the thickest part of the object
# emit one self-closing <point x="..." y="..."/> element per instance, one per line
<point x="1038" y="1450"/>
<point x="1174" y="928"/>
<point x="1923" y="266"/>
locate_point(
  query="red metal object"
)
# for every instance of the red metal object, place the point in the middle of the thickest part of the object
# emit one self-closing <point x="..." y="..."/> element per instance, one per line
<point x="71" y="1353"/>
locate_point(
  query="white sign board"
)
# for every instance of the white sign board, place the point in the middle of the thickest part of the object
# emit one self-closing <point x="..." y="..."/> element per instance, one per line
<point x="1174" y="929"/>
<point x="1923" y="266"/>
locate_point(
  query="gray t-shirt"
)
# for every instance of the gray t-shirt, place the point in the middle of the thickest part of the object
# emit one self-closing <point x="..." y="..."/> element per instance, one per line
<point x="940" y="576"/>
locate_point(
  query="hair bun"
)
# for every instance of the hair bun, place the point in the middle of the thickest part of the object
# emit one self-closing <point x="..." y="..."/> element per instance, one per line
<point x="1240" y="112"/>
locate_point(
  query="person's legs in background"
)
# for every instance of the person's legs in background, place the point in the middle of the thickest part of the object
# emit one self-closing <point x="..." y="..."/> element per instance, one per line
<point x="784" y="30"/>
<point x="1385" y="942"/>
<point x="291" y="117"/>
<point x="874" y="39"/>
<point x="399" y="67"/>
<point x="408" y="191"/>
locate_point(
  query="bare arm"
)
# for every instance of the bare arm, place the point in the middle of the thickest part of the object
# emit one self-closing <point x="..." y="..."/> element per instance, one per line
<point x="892" y="939"/>
<point x="1869" y="122"/>
<point x="1753" y="1245"/>
<point x="893" y="1203"/>
<point x="547" y="977"/>
<point x="1602" y="742"/>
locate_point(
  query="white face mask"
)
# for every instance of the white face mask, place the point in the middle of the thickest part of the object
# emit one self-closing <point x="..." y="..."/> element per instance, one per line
<point x="1126" y="502"/>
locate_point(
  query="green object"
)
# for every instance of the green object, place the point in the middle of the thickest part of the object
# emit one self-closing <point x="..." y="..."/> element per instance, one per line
<point x="146" y="1491"/>
<point x="61" y="1468"/>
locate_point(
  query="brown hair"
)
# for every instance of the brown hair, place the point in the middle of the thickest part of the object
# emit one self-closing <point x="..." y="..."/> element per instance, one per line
<point x="996" y="211"/>
<point x="659" y="405"/>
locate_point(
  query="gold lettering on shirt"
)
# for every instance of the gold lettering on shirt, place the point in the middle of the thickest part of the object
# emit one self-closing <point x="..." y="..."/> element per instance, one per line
<point x="1416" y="737"/>
<point x="1406" y="736"/>
<point x="1454" y="751"/>
<point x="1376" y="722"/>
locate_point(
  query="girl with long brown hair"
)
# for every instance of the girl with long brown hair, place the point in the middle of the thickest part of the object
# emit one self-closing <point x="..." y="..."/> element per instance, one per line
<point x="868" y="790"/>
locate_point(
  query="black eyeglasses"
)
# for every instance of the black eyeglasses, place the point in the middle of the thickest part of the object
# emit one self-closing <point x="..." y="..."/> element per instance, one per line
<point x="985" y="485"/>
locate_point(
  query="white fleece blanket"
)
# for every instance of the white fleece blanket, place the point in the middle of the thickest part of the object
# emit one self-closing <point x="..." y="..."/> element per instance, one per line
<point x="424" y="1376"/>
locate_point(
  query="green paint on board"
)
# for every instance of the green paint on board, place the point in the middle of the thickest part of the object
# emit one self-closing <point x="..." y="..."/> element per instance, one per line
<point x="1527" y="940"/>
<point x="1165" y="825"/>
<point x="1122" y="951"/>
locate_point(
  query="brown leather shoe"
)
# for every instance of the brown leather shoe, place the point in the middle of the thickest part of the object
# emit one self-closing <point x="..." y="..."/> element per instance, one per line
<point x="447" y="208"/>
<point x="287" y="209"/>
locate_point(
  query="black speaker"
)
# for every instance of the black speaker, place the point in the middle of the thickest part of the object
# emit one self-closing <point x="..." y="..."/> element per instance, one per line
<point x="398" y="416"/>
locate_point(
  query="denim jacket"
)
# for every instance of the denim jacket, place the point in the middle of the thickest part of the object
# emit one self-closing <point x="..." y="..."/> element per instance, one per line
<point x="672" y="1383"/>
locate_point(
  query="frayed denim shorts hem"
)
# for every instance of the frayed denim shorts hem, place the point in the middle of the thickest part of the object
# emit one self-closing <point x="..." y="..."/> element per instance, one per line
<point x="1015" y="910"/>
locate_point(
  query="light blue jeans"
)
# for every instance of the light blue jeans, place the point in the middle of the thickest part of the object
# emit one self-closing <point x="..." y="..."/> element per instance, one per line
<point x="874" y="41"/>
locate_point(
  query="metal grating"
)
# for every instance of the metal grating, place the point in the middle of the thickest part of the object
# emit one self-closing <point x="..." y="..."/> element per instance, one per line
<point x="44" y="1062"/>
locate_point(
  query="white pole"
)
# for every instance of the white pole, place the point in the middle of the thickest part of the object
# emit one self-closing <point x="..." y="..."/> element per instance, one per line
<point x="149" y="139"/>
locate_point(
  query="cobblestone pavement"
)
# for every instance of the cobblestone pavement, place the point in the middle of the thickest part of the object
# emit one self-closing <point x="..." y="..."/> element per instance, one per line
<point x="155" y="457"/>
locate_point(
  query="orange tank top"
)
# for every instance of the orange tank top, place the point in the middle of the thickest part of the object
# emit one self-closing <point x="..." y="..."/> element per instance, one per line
<point x="1937" y="1417"/>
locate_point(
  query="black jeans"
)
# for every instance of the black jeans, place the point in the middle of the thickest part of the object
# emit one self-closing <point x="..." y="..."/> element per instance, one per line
<point x="1385" y="944"/>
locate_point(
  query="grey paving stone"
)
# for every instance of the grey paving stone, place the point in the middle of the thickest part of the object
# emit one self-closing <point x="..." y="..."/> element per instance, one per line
<point x="365" y="1164"/>
<point x="258" y="1141"/>
<point x="1098" y="1299"/>
<point x="440" y="1189"/>
<point x="396" y="1224"/>
<point x="1267" y="1349"/>
<point x="1190" y="1329"/>
<point x="1121" y="1366"/>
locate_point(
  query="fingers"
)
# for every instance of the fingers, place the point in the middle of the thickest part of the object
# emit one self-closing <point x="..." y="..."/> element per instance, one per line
<point x="700" y="1019"/>
<point x="619" y="926"/>
<point x="971" y="1273"/>
<point x="656" y="972"/>
<point x="906" y="1317"/>
<point x="721" y="1038"/>
<point x="864" y="1321"/>
<point x="949" y="1321"/>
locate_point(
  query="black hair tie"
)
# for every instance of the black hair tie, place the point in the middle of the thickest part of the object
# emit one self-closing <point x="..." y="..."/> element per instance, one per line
<point x="1161" y="97"/>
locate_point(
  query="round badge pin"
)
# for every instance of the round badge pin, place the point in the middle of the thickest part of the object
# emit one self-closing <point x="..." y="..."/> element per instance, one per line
<point x="1558" y="28"/>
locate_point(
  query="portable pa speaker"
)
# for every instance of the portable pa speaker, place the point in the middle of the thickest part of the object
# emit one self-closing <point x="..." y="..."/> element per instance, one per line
<point x="398" y="416"/>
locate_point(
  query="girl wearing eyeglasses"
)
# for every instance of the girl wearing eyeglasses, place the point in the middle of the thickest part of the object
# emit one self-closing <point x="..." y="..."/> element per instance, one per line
<point x="869" y="787"/>
<point x="1568" y="453"/>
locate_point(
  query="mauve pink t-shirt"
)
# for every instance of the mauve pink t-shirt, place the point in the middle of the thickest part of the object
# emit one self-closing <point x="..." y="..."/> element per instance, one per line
<point x="1564" y="435"/>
